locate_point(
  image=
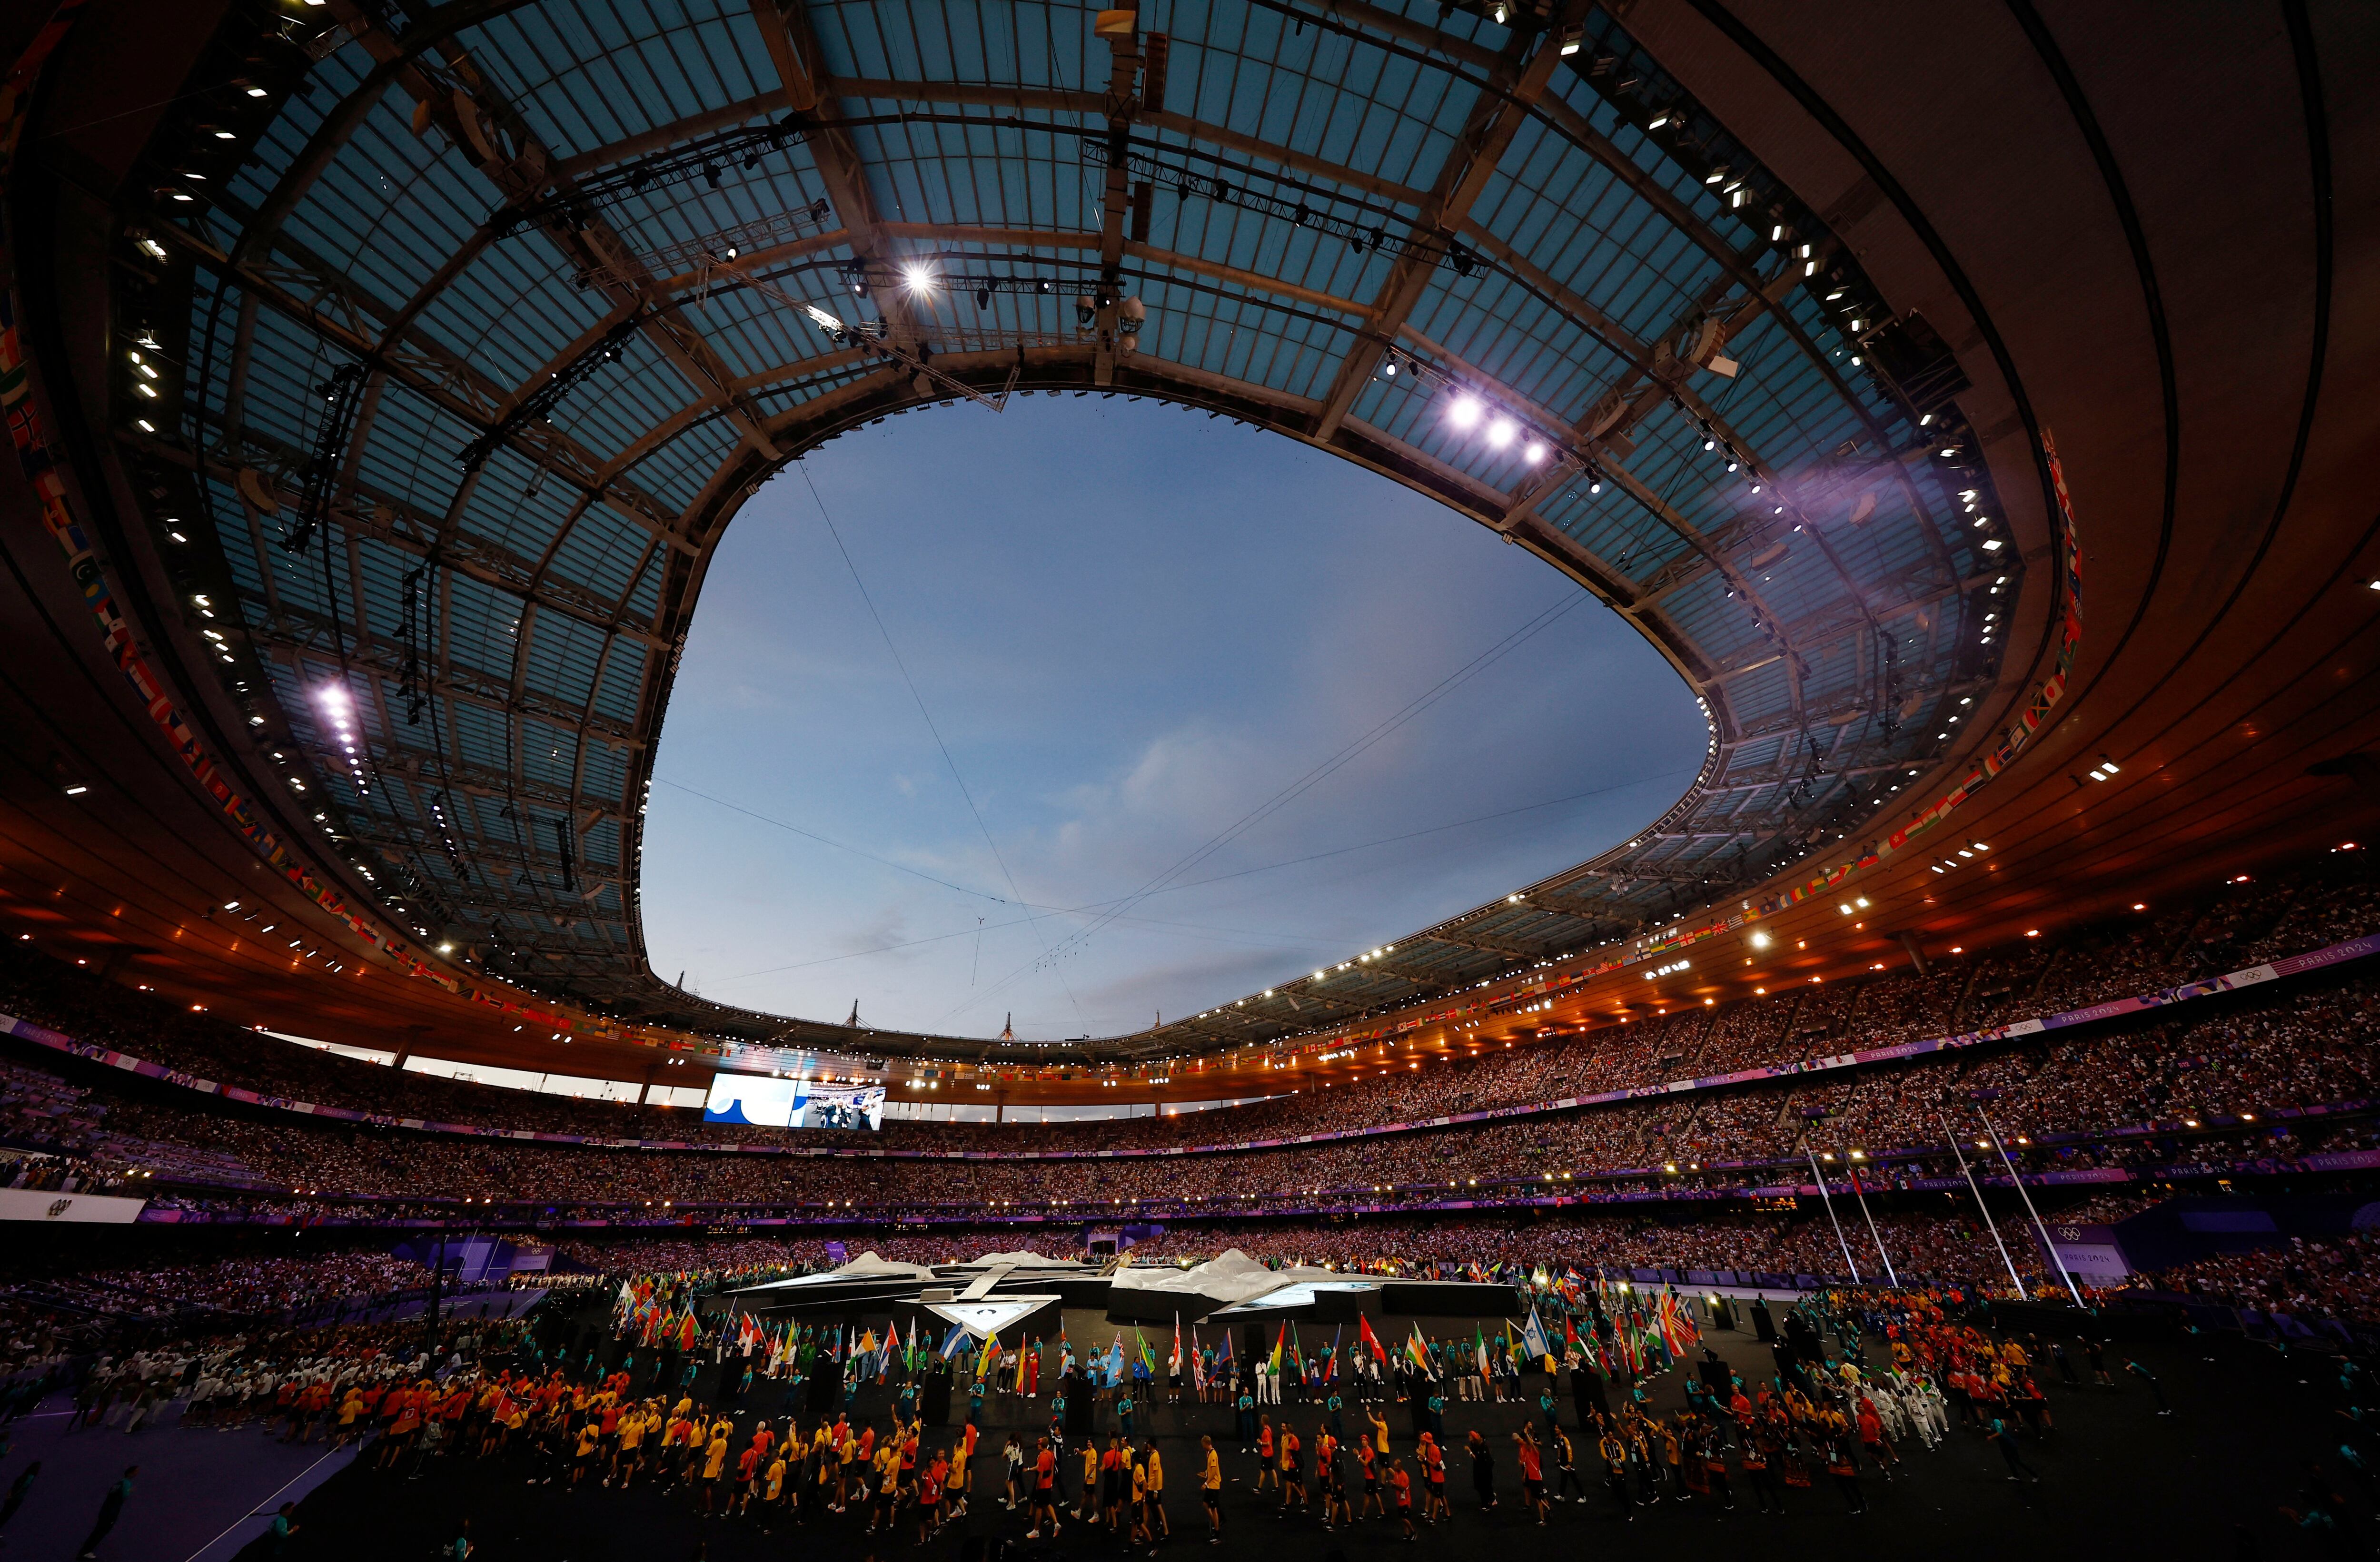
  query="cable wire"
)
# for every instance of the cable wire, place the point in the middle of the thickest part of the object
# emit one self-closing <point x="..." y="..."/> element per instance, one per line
<point x="1019" y="895"/>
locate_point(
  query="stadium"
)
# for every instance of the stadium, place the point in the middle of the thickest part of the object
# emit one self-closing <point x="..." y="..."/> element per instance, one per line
<point x="1889" y="475"/>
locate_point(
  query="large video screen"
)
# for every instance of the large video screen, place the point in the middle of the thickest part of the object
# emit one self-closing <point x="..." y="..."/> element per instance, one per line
<point x="830" y="1106"/>
<point x="770" y="1102"/>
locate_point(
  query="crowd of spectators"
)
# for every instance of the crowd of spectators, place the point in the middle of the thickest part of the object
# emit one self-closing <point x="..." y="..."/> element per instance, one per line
<point x="2237" y="925"/>
<point x="2212" y="1079"/>
<point x="36" y="1172"/>
<point x="2240" y="1065"/>
<point x="244" y="1285"/>
<point x="60" y="1300"/>
<point x="2309" y="1276"/>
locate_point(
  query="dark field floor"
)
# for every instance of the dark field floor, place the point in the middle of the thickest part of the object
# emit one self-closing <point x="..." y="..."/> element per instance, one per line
<point x="2204" y="1482"/>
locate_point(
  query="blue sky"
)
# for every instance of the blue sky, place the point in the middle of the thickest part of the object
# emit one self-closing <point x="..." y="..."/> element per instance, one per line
<point x="1139" y="634"/>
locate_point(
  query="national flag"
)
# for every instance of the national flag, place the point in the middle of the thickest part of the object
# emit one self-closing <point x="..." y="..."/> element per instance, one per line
<point x="1479" y="1348"/>
<point x="991" y="1355"/>
<point x="688" y="1331"/>
<point x="1023" y="1358"/>
<point x="1148" y="1356"/>
<point x="1279" y="1344"/>
<point x="1330" y="1362"/>
<point x="1679" y="1330"/>
<point x="1532" y="1334"/>
<point x="1173" y="1363"/>
<point x="1197" y="1361"/>
<point x="1417" y="1352"/>
<point x="954" y="1343"/>
<point x="1368" y="1339"/>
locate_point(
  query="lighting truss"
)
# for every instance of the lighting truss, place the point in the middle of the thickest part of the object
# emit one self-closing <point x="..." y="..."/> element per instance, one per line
<point x="708" y="158"/>
<point x="341" y="395"/>
<point x="1561" y="444"/>
<point x="1186" y="182"/>
<point x="868" y="344"/>
<point x="540" y="404"/>
<point x="865" y="276"/>
<point x="729" y="245"/>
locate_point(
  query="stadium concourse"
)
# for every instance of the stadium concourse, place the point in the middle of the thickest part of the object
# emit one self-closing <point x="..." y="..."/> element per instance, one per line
<point x="1947" y="1122"/>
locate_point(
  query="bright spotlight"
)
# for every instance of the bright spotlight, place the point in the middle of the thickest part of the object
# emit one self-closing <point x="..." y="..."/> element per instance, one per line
<point x="1533" y="453"/>
<point x="919" y="278"/>
<point x="1500" y="432"/>
<point x="1465" y="412"/>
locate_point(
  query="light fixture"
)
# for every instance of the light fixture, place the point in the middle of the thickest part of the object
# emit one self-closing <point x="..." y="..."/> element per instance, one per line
<point x="1465" y="411"/>
<point x="1500" y="432"/>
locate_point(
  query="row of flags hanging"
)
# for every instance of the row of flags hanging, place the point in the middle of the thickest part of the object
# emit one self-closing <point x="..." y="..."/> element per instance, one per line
<point x="1638" y="1329"/>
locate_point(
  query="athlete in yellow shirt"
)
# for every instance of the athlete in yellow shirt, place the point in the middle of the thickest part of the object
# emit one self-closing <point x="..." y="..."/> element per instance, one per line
<point x="1158" y="1523"/>
<point x="714" y="1461"/>
<point x="590" y="1435"/>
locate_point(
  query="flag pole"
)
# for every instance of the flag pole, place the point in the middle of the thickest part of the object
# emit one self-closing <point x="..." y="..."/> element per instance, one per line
<point x="1840" y="1238"/>
<point x="1976" y="1188"/>
<point x="2047" y="1246"/>
<point x="1872" y="1234"/>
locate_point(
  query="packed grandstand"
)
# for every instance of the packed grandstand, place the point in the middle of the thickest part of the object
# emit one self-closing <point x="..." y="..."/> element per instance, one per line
<point x="2106" y="1117"/>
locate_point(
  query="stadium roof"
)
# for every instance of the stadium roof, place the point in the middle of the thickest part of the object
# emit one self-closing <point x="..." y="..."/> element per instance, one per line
<point x="448" y="340"/>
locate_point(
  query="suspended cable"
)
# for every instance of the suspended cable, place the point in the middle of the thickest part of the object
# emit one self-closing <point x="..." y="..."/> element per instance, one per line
<point x="1016" y="894"/>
